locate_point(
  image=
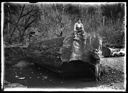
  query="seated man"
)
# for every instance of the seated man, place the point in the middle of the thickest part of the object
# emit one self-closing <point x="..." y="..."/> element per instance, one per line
<point x="78" y="28"/>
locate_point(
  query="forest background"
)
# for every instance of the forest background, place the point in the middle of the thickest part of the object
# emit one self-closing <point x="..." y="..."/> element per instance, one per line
<point x="25" y="23"/>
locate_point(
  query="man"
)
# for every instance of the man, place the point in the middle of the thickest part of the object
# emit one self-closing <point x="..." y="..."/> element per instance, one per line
<point x="78" y="28"/>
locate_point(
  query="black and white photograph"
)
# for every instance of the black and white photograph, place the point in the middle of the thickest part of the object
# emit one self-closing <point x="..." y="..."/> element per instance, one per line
<point x="63" y="46"/>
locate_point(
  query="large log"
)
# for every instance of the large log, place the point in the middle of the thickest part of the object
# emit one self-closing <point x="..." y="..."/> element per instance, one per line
<point x="67" y="56"/>
<point x="70" y="56"/>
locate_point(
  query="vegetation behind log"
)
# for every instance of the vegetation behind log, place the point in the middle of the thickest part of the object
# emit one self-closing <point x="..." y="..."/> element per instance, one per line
<point x="25" y="23"/>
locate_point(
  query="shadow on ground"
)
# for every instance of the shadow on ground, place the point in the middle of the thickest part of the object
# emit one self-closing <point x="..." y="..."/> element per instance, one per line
<point x="36" y="76"/>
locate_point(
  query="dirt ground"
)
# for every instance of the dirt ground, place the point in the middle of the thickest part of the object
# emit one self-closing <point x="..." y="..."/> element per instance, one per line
<point x="37" y="77"/>
<point x="114" y="75"/>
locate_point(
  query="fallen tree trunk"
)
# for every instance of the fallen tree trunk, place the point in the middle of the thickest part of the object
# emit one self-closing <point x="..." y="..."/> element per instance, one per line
<point x="58" y="54"/>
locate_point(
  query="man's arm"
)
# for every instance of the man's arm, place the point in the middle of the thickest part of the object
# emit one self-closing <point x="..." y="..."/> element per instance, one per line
<point x="75" y="26"/>
<point x="82" y="27"/>
<point x="84" y="33"/>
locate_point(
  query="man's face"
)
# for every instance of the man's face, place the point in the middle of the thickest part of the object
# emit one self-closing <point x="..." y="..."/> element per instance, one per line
<point x="79" y="21"/>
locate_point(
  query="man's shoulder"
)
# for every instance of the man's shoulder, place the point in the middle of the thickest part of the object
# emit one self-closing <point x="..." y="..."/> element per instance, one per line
<point x="78" y="24"/>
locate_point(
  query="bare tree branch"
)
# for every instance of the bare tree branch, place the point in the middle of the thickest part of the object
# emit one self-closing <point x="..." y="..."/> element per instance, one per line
<point x="27" y="12"/>
<point x="17" y="21"/>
